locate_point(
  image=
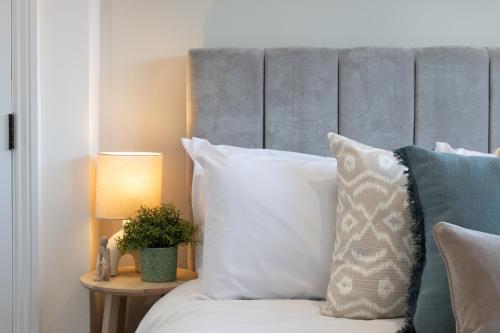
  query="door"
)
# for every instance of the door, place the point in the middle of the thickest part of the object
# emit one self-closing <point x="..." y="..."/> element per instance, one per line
<point x="5" y="170"/>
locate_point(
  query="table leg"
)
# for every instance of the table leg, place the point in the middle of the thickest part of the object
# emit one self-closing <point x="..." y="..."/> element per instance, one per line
<point x="111" y="311"/>
<point x="96" y="311"/>
<point x="122" y="314"/>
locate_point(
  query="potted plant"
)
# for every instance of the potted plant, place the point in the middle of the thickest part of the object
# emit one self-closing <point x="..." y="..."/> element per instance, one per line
<point x="155" y="233"/>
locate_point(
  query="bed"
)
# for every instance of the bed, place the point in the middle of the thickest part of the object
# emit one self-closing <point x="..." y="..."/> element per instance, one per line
<point x="187" y="310"/>
<point x="288" y="99"/>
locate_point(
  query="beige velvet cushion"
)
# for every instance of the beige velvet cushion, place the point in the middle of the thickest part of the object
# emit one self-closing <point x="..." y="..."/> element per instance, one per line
<point x="373" y="252"/>
<point x="472" y="260"/>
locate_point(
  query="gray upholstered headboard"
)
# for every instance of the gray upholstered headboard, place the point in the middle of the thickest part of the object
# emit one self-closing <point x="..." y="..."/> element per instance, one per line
<point x="386" y="97"/>
<point x="289" y="99"/>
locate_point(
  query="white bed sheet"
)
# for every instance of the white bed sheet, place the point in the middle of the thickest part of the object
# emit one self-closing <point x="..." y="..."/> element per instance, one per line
<point x="186" y="310"/>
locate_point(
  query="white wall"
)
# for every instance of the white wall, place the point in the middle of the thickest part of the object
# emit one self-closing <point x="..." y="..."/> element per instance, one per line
<point x="348" y="23"/>
<point x="64" y="161"/>
<point x="144" y="46"/>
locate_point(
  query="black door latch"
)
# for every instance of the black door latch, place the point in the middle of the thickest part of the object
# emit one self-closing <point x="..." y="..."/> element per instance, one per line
<point x="12" y="133"/>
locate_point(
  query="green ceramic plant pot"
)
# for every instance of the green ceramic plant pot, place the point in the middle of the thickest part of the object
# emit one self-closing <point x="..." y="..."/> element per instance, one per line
<point x="158" y="264"/>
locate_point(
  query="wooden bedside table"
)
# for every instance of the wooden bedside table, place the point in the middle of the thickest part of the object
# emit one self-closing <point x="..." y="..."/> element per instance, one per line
<point x="128" y="283"/>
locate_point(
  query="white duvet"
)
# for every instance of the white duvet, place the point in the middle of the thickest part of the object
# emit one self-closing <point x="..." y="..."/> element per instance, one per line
<point x="186" y="310"/>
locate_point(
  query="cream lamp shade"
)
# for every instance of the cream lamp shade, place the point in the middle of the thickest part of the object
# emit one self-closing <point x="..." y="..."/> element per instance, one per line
<point x="127" y="181"/>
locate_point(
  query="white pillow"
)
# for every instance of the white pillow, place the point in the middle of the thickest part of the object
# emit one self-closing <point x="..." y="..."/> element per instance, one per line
<point x="443" y="147"/>
<point x="193" y="148"/>
<point x="269" y="221"/>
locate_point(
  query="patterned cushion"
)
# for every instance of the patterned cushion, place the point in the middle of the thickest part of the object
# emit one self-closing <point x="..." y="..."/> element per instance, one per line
<point x="373" y="252"/>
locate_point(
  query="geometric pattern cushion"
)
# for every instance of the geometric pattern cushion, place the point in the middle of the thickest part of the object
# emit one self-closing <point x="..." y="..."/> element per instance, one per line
<point x="373" y="252"/>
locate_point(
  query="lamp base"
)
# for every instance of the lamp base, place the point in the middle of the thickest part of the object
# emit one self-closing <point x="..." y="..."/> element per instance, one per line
<point x="116" y="254"/>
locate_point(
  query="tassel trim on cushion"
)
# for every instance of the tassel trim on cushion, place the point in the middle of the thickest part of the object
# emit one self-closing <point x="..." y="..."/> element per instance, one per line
<point x="418" y="239"/>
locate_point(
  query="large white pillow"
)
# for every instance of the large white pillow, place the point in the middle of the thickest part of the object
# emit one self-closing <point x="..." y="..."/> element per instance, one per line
<point x="269" y="221"/>
<point x="193" y="148"/>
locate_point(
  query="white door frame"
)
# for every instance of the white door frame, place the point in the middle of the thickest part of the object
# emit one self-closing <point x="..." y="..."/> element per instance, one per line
<point x="25" y="166"/>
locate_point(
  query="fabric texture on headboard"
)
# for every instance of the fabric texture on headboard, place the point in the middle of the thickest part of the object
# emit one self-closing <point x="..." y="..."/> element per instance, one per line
<point x="452" y="97"/>
<point x="226" y="96"/>
<point x="494" y="98"/>
<point x="289" y="98"/>
<point x="300" y="83"/>
<point x="376" y="96"/>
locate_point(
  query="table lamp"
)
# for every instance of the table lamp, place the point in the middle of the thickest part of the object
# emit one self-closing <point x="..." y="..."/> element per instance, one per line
<point x="125" y="182"/>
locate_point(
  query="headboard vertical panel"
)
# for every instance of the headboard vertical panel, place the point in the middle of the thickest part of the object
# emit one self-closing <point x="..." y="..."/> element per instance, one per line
<point x="376" y="91"/>
<point x="494" y="98"/>
<point x="226" y="96"/>
<point x="452" y="97"/>
<point x="301" y="88"/>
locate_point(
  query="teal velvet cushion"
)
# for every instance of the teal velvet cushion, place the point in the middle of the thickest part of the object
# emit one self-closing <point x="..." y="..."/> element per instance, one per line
<point x="457" y="189"/>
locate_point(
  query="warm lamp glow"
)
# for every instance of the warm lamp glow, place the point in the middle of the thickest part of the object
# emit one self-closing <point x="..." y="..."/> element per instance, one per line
<point x="127" y="181"/>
